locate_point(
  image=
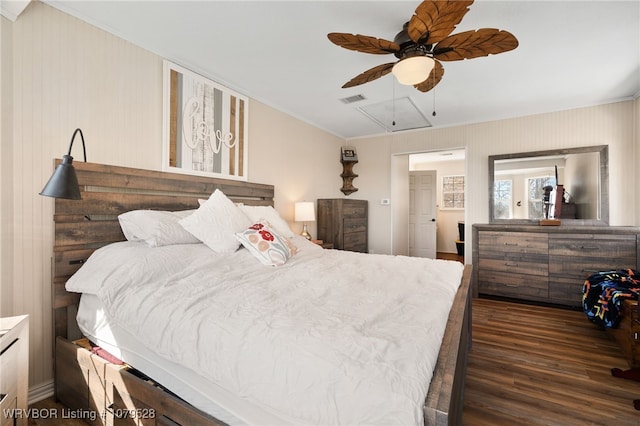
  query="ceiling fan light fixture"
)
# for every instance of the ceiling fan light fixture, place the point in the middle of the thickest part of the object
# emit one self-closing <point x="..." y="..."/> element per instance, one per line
<point x="413" y="70"/>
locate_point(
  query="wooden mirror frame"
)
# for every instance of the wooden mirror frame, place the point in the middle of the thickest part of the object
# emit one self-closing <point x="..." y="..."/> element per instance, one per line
<point x="603" y="150"/>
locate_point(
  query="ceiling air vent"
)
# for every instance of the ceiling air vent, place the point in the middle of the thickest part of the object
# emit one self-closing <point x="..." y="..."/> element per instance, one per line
<point x="352" y="99"/>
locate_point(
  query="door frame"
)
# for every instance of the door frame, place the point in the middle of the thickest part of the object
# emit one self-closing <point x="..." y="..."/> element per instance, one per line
<point x="400" y="199"/>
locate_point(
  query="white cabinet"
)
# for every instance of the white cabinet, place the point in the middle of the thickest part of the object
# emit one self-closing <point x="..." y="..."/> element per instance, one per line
<point x="14" y="369"/>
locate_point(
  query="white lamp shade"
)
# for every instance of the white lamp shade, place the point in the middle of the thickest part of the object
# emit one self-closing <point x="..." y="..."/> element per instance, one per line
<point x="304" y="212"/>
<point x="413" y="70"/>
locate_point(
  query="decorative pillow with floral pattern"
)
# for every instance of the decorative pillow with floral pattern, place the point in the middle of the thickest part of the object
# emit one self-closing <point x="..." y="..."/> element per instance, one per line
<point x="266" y="245"/>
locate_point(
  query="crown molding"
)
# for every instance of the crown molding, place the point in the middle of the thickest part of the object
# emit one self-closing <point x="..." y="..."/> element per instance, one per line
<point x="11" y="9"/>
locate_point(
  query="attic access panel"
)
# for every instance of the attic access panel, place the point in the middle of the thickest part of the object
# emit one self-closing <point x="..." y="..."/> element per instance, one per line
<point x="402" y="111"/>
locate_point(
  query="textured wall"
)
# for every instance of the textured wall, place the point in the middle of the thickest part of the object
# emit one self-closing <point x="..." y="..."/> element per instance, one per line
<point x="68" y="74"/>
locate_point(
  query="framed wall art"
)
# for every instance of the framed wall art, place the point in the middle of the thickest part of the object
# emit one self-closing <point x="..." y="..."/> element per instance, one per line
<point x="453" y="192"/>
<point x="205" y="126"/>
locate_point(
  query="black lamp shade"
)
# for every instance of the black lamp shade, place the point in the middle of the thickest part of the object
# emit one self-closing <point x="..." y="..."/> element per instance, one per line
<point x="64" y="182"/>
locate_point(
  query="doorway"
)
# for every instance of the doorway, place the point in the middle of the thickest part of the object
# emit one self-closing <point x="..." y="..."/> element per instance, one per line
<point x="449" y="167"/>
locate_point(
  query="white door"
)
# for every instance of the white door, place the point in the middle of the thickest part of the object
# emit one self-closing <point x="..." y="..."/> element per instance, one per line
<point x="422" y="214"/>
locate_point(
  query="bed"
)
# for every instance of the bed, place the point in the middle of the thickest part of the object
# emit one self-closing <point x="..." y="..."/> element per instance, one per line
<point x="82" y="227"/>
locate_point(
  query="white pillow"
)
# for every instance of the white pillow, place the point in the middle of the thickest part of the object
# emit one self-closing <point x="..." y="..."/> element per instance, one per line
<point x="268" y="213"/>
<point x="130" y="263"/>
<point x="155" y="227"/>
<point x="215" y="223"/>
<point x="266" y="244"/>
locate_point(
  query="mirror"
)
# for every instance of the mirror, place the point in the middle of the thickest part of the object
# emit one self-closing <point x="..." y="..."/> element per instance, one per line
<point x="517" y="185"/>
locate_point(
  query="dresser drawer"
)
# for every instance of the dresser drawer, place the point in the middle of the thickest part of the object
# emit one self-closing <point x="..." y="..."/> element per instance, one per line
<point x="9" y="379"/>
<point x="566" y="291"/>
<point x="354" y="225"/>
<point x="354" y="208"/>
<point x="579" y="268"/>
<point x="492" y="243"/>
<point x="508" y="284"/>
<point x="137" y="400"/>
<point x="8" y="404"/>
<point x="84" y="384"/>
<point x="14" y="370"/>
<point x="516" y="265"/>
<point x="593" y="246"/>
<point x="355" y="241"/>
<point x="578" y="256"/>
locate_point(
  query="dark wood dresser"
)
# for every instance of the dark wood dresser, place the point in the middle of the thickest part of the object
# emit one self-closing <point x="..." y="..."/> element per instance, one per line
<point x="343" y="223"/>
<point x="548" y="263"/>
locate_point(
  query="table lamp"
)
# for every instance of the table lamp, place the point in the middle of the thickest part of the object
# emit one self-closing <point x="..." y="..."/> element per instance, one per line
<point x="304" y="212"/>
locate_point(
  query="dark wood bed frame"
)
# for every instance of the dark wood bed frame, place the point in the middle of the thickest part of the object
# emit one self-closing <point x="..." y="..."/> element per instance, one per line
<point x="86" y="225"/>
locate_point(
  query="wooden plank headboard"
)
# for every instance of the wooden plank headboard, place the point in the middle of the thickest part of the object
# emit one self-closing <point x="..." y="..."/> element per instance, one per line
<point x="82" y="226"/>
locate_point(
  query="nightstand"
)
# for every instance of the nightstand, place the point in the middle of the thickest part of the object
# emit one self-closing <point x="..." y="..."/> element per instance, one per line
<point x="323" y="244"/>
<point x="14" y="369"/>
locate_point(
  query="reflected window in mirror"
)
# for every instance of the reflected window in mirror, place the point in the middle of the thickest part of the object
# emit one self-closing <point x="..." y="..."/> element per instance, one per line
<point x="503" y="198"/>
<point x="536" y="195"/>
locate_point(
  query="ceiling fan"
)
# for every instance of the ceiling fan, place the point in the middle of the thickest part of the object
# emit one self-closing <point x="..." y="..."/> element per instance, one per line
<point x="424" y="42"/>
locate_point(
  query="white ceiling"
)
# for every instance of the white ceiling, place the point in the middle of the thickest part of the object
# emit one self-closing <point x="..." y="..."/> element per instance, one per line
<point x="571" y="54"/>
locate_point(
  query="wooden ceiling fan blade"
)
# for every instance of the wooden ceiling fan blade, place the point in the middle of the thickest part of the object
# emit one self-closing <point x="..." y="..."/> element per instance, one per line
<point x="434" y="20"/>
<point x="362" y="43"/>
<point x="434" y="78"/>
<point x="370" y="75"/>
<point x="474" y="44"/>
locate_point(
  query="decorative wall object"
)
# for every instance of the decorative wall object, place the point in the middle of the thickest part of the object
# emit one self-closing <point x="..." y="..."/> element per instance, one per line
<point x="205" y="126"/>
<point x="453" y="192"/>
<point x="348" y="158"/>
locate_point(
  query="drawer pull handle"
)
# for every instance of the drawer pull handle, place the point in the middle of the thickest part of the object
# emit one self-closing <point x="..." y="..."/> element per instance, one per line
<point x="8" y="347"/>
<point x="511" y="244"/>
<point x="511" y="285"/>
<point x="511" y="264"/>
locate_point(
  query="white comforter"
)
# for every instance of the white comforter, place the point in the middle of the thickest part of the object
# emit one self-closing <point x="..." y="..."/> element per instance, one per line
<point x="331" y="337"/>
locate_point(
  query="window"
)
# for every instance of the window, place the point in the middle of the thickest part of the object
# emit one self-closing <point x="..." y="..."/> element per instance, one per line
<point x="453" y="192"/>
<point x="503" y="196"/>
<point x="535" y="193"/>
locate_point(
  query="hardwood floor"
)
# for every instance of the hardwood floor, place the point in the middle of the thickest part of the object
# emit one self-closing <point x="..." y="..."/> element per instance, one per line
<point x="532" y="365"/>
<point x="52" y="413"/>
<point x="449" y="256"/>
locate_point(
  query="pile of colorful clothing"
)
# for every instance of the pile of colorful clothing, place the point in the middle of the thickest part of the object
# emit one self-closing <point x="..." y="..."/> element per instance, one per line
<point x="604" y="292"/>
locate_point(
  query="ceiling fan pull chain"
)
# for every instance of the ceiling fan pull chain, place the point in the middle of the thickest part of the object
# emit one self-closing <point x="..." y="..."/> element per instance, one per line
<point x="434" y="103"/>
<point x="393" y="103"/>
<point x="434" y="94"/>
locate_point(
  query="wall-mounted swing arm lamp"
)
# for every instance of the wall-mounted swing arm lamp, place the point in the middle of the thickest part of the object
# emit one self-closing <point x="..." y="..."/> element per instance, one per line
<point x="64" y="182"/>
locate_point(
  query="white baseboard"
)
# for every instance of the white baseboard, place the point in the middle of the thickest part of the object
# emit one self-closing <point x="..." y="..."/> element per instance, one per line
<point x="41" y="391"/>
